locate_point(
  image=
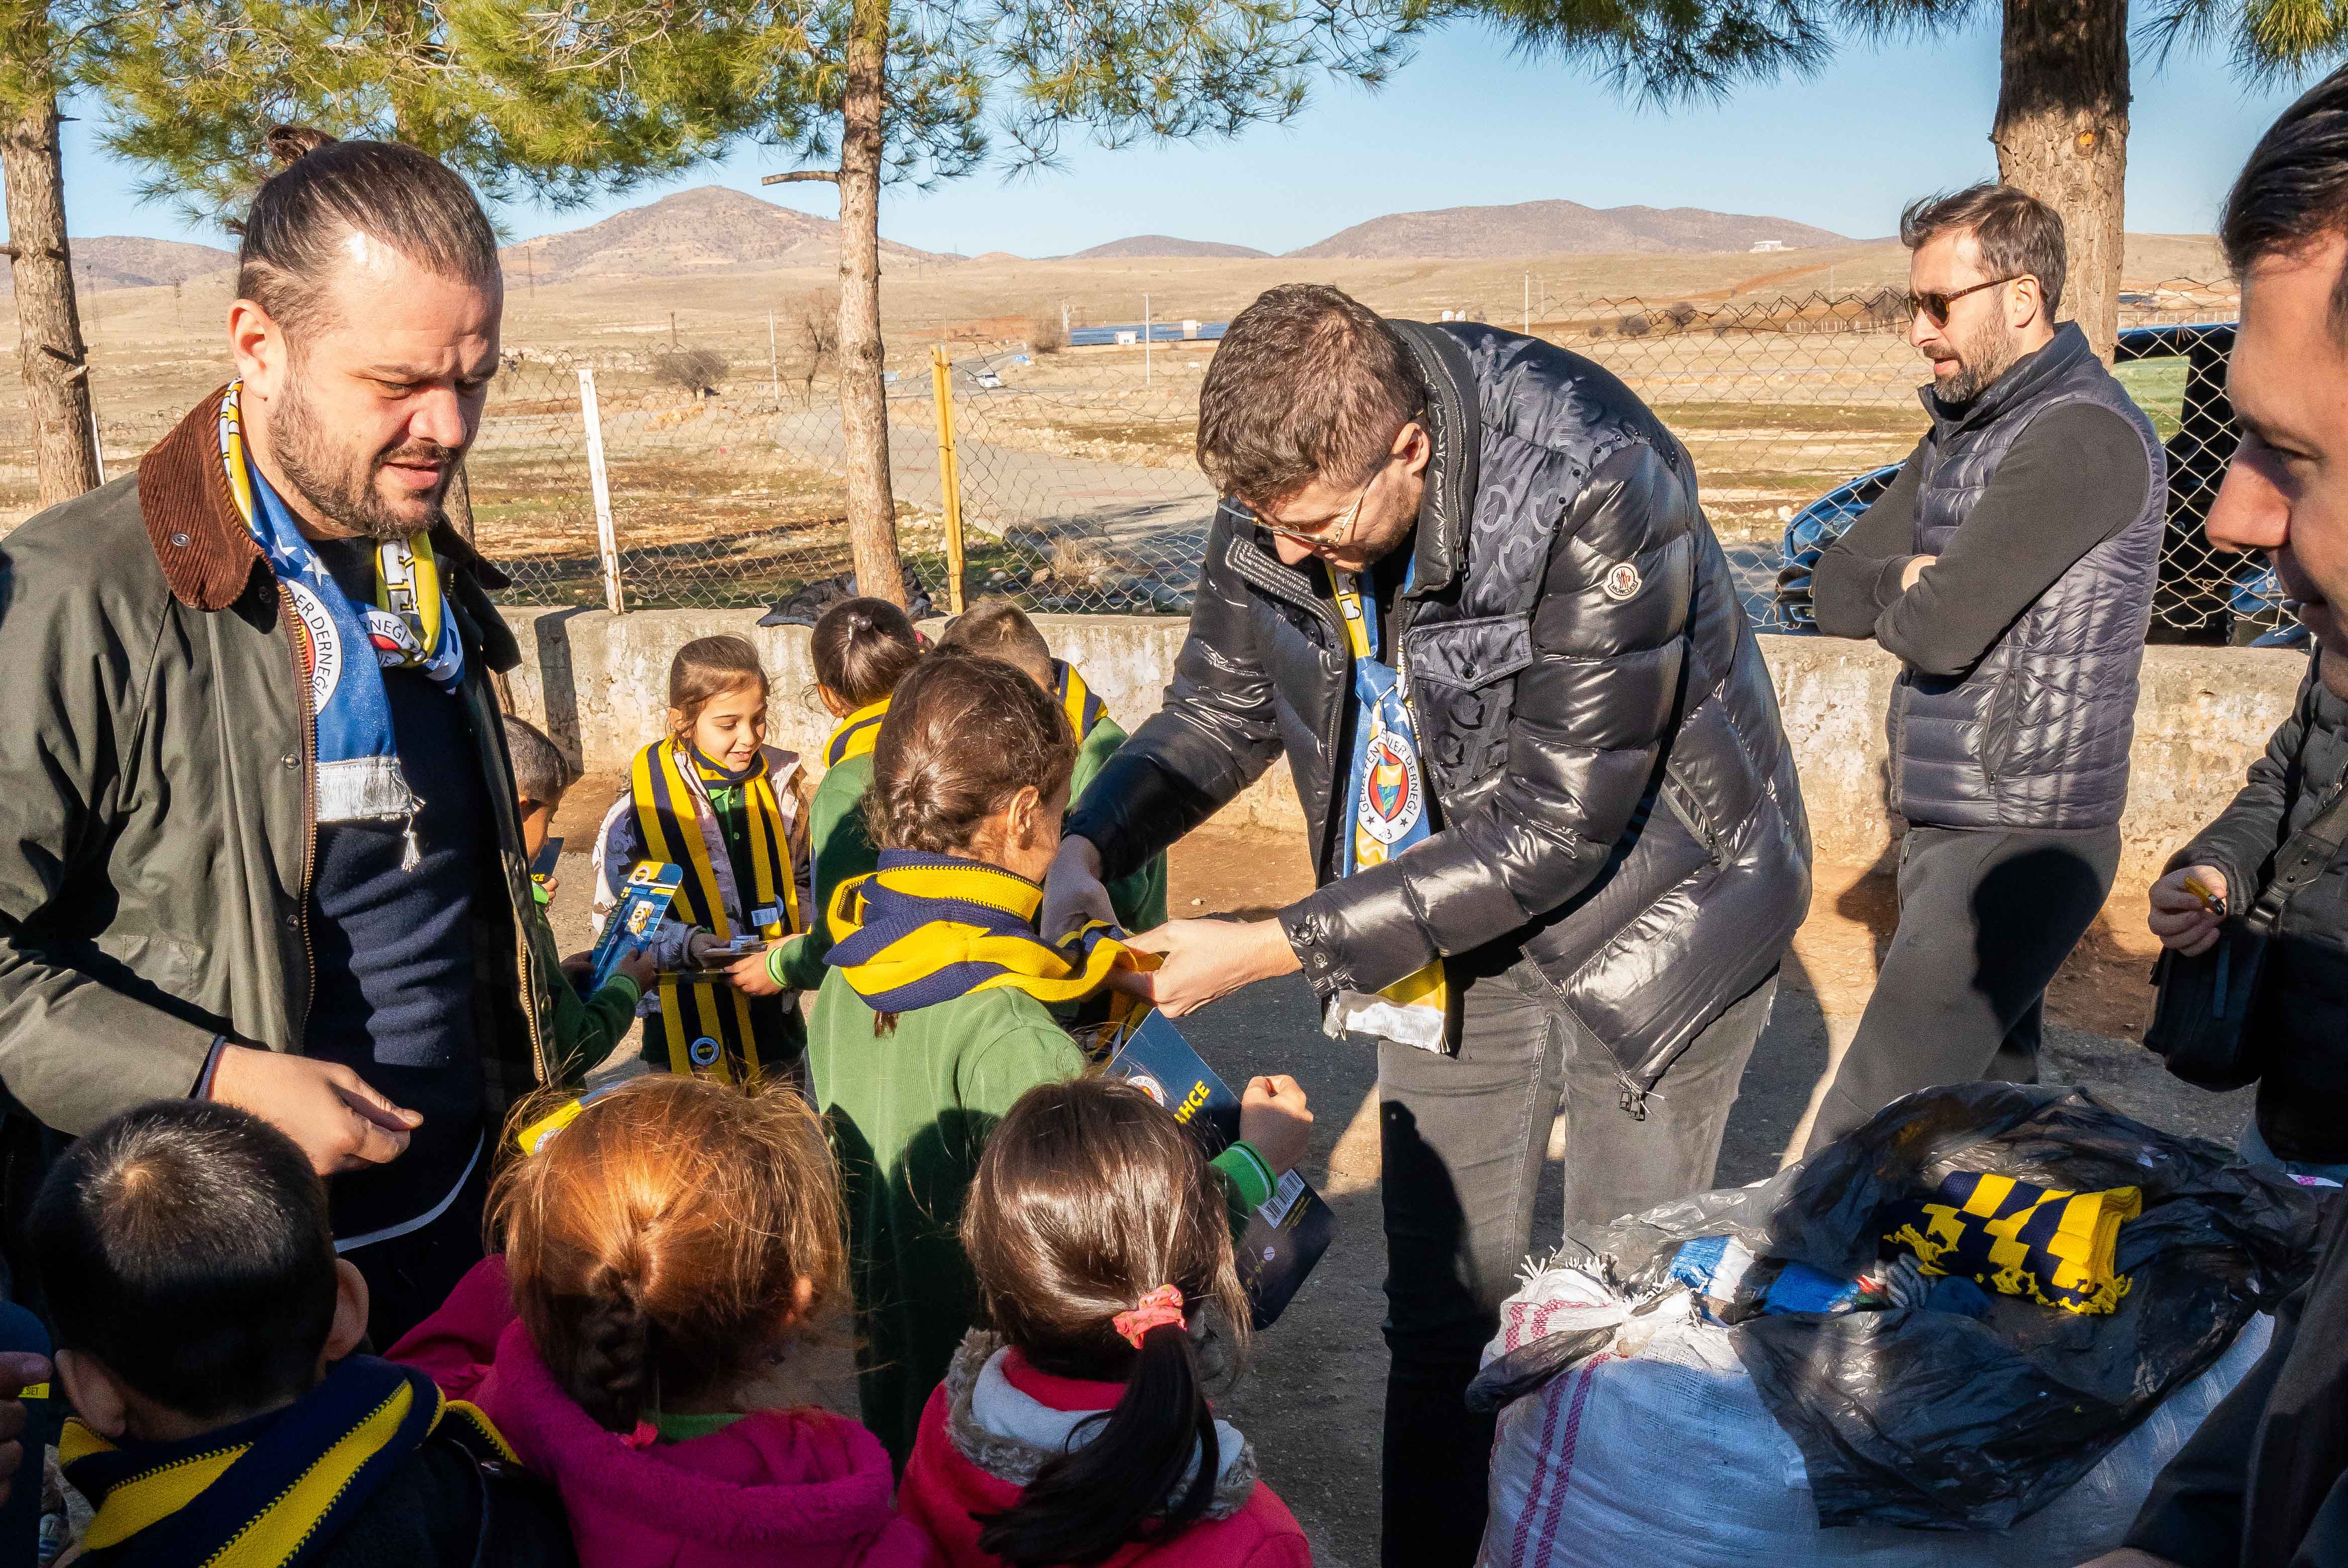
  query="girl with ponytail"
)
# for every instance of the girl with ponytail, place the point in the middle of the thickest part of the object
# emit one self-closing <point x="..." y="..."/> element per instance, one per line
<point x="937" y="1011"/>
<point x="1076" y="1429"/>
<point x="665" y="1245"/>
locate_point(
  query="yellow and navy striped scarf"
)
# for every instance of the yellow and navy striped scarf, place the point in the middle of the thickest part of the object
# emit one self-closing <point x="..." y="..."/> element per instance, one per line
<point x="267" y="1494"/>
<point x="707" y="1021"/>
<point x="1076" y="700"/>
<point x="2058" y="1248"/>
<point x="926" y="929"/>
<point x="855" y="735"/>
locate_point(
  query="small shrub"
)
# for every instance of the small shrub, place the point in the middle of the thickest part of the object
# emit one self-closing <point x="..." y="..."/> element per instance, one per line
<point x="691" y="370"/>
<point x="1634" y="326"/>
<point x="1680" y="316"/>
<point x="1045" y="332"/>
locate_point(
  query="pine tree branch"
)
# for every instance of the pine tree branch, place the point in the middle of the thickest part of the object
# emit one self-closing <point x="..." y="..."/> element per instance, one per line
<point x="794" y="175"/>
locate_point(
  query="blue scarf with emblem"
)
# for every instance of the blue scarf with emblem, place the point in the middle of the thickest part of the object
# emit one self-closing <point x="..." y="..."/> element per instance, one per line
<point x="347" y="646"/>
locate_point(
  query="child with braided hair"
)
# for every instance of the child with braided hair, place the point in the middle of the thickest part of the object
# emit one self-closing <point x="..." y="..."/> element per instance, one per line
<point x="663" y="1248"/>
<point x="1076" y="1428"/>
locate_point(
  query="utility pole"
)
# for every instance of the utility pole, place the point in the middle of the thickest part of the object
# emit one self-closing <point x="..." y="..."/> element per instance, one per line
<point x="672" y="331"/>
<point x="1144" y="339"/>
<point x="774" y="363"/>
<point x="1529" y="304"/>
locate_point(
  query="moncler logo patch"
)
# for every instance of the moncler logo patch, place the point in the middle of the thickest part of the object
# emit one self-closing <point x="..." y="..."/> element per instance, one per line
<point x="1621" y="582"/>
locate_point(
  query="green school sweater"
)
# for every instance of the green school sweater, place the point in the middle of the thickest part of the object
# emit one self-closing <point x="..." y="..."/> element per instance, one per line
<point x="909" y="1113"/>
<point x="841" y="849"/>
<point x="1139" y="896"/>
<point x="586" y="1029"/>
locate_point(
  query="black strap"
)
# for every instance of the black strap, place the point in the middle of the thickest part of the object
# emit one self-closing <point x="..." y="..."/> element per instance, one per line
<point x="2303" y="859"/>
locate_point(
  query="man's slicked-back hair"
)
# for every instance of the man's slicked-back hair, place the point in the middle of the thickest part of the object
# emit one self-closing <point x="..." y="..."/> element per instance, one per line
<point x="2294" y="189"/>
<point x="1307" y="383"/>
<point x="186" y="1245"/>
<point x="2020" y="236"/>
<point x="295" y="232"/>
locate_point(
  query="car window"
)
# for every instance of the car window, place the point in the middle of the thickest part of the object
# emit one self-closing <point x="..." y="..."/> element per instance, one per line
<point x="2158" y="387"/>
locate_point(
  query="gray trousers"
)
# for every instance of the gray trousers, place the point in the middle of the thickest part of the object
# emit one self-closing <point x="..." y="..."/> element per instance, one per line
<point x="1463" y="1138"/>
<point x="1986" y="918"/>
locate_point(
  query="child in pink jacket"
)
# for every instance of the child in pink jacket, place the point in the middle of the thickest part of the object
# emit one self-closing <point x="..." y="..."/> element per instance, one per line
<point x="664" y="1246"/>
<point x="1078" y="1430"/>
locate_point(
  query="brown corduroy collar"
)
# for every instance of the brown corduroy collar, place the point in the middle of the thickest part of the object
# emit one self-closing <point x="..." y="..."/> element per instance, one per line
<point x="207" y="552"/>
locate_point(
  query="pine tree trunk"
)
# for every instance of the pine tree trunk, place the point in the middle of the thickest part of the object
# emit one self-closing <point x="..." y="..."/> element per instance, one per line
<point x="863" y="400"/>
<point x="2061" y="134"/>
<point x="50" y="350"/>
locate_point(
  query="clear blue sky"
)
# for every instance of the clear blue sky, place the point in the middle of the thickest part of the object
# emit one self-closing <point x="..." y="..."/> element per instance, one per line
<point x="1466" y="122"/>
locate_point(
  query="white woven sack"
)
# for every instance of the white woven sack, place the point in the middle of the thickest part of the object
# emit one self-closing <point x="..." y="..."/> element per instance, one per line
<point x="1658" y="1449"/>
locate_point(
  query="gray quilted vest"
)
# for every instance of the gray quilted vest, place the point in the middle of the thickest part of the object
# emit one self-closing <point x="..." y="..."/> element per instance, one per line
<point x="2036" y="735"/>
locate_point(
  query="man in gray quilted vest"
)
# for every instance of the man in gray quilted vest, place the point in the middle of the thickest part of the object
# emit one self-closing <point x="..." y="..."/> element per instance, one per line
<point x="2010" y="567"/>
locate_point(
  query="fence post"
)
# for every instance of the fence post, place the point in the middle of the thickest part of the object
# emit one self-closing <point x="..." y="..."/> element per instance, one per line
<point x="1145" y="340"/>
<point x="606" y="545"/>
<point x="949" y="471"/>
<point x="1529" y="304"/>
<point x="774" y="366"/>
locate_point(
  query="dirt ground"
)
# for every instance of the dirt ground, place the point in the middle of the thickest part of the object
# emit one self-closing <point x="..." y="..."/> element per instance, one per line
<point x="1310" y="1399"/>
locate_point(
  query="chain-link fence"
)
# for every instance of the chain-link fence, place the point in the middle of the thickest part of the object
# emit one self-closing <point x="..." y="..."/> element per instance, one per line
<point x="724" y="463"/>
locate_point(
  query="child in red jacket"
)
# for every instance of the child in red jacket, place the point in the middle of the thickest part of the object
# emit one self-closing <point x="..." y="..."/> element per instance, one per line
<point x="665" y="1244"/>
<point x="1078" y="1431"/>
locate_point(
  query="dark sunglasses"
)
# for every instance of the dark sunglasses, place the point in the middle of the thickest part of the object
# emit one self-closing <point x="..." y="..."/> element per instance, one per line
<point x="1935" y="306"/>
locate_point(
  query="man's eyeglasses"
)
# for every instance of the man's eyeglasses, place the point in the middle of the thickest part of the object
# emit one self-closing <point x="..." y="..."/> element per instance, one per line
<point x="1335" y="530"/>
<point x="1935" y="305"/>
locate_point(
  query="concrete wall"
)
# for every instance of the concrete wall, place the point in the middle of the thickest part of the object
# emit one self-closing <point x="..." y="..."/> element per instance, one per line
<point x="599" y="683"/>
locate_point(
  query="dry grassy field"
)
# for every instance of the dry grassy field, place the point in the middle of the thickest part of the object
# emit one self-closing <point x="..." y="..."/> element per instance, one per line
<point x="1749" y="358"/>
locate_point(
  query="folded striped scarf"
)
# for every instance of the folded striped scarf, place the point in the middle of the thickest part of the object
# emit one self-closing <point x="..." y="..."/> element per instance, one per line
<point x="1076" y="700"/>
<point x="854" y="735"/>
<point x="271" y="1493"/>
<point x="926" y="929"/>
<point x="2058" y="1248"/>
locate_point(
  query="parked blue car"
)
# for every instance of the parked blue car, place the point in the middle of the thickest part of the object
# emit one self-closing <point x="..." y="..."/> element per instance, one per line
<point x="2204" y="595"/>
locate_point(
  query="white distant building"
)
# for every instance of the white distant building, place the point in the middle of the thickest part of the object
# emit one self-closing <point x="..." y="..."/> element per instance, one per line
<point x="1760" y="245"/>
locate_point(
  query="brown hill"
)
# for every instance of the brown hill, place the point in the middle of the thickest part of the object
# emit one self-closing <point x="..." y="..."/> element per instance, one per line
<point x="709" y="229"/>
<point x="1559" y="227"/>
<point x="126" y="261"/>
<point x="1140" y="246"/>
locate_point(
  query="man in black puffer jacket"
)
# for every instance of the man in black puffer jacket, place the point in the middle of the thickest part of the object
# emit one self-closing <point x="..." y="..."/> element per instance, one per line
<point x="1464" y="584"/>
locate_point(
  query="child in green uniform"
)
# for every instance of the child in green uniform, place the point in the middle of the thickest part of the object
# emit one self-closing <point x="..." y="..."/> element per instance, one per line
<point x="716" y="800"/>
<point x="936" y="1014"/>
<point x="586" y="1029"/>
<point x="861" y="649"/>
<point x="1003" y="630"/>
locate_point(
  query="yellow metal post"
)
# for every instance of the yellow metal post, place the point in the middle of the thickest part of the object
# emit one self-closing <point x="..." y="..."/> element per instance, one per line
<point x="949" y="471"/>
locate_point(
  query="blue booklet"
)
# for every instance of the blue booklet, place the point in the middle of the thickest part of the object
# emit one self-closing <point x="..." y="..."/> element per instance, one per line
<point x="1286" y="1237"/>
<point x="644" y="899"/>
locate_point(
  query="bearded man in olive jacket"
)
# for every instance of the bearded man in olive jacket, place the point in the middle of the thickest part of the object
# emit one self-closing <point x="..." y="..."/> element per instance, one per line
<point x="258" y="837"/>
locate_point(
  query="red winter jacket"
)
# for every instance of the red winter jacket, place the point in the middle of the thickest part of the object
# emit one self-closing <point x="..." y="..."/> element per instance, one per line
<point x="777" y="1488"/>
<point x="942" y="1489"/>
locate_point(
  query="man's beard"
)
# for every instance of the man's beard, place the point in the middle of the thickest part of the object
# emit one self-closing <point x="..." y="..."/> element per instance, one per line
<point x="326" y="479"/>
<point x="1989" y="355"/>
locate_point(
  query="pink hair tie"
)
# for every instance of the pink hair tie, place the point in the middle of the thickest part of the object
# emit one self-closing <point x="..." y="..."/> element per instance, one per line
<point x="644" y="1437"/>
<point x="1158" y="1309"/>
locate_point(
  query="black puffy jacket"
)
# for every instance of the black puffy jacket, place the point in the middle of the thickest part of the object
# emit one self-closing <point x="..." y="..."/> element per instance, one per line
<point x="2300" y="1027"/>
<point x="1614" y="792"/>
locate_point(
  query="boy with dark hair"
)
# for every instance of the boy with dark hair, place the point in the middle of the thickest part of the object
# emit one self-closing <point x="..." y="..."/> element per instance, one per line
<point x="205" y="1333"/>
<point x="585" y="1030"/>
<point x="1001" y="630"/>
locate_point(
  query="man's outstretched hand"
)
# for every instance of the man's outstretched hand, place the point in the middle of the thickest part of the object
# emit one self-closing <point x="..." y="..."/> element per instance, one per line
<point x="1207" y="960"/>
<point x="333" y="1115"/>
<point x="1072" y="891"/>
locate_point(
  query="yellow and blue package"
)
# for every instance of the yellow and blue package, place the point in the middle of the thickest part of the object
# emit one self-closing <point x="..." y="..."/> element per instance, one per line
<point x="2057" y="1248"/>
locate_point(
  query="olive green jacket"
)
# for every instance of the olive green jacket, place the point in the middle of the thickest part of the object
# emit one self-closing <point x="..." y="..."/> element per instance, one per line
<point x="157" y="799"/>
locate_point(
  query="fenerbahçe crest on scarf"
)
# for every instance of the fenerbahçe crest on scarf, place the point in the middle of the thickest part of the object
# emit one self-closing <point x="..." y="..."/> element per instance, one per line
<point x="1389" y="794"/>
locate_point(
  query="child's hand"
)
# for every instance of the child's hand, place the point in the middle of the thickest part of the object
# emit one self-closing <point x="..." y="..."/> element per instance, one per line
<point x="1276" y="1118"/>
<point x="749" y="976"/>
<point x="575" y="967"/>
<point x="638" y="966"/>
<point x="704" y="949"/>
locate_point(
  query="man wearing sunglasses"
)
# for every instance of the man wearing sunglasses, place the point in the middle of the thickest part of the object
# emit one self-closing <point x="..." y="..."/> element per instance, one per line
<point x="2011" y="566"/>
<point x="1462" y="583"/>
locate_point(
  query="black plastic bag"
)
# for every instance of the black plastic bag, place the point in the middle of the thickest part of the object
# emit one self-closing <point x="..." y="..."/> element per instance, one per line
<point x="802" y="607"/>
<point x="1945" y="1421"/>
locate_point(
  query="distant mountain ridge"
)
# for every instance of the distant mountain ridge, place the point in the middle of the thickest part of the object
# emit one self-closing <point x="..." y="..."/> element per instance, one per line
<point x="1558" y="228"/>
<point x="102" y="262"/>
<point x="705" y="230"/>
<point x="1144" y="246"/>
